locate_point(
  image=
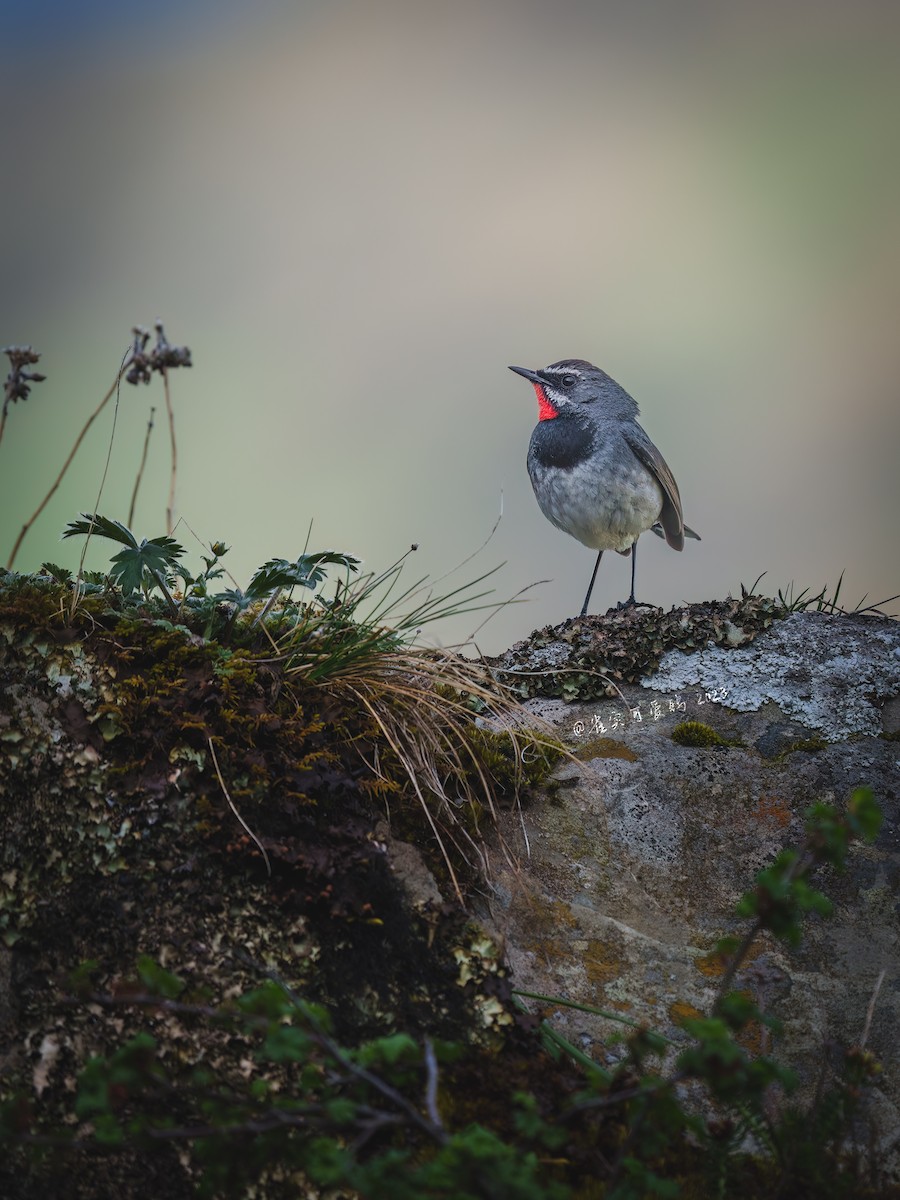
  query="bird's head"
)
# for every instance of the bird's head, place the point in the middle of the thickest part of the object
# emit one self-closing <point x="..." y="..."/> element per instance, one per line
<point x="572" y="386"/>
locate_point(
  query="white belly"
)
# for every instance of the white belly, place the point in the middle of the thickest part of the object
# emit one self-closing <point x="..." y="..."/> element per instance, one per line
<point x="601" y="511"/>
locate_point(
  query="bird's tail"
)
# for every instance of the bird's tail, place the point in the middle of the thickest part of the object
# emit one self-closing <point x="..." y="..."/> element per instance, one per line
<point x="688" y="532"/>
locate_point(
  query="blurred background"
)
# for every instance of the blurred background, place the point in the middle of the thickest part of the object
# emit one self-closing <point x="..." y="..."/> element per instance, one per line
<point x="356" y="215"/>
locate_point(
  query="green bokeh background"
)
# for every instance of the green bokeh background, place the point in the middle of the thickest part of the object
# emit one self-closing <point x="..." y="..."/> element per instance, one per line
<point x="356" y="215"/>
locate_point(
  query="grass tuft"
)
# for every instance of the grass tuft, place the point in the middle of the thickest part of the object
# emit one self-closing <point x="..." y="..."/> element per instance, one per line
<point x="362" y="647"/>
<point x="822" y="601"/>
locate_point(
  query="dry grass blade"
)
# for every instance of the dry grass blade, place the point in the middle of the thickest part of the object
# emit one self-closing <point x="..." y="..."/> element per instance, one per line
<point x="870" y="1011"/>
<point x="423" y="705"/>
<point x="231" y="805"/>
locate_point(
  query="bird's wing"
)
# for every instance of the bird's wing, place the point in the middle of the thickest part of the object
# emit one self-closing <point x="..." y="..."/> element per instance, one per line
<point x="671" y="517"/>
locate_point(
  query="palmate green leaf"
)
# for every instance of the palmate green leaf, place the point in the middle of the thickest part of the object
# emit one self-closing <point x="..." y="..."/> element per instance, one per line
<point x="308" y="571"/>
<point x="153" y="556"/>
<point x="98" y="526"/>
<point x="57" y="574"/>
<point x="234" y="596"/>
<point x="140" y="563"/>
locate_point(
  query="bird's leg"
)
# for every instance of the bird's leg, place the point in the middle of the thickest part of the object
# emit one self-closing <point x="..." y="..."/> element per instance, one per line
<point x="631" y="599"/>
<point x="631" y="602"/>
<point x="591" y="585"/>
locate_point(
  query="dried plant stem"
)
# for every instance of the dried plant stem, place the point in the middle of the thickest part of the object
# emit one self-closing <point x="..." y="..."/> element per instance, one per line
<point x="736" y="961"/>
<point x="76" y="591"/>
<point x="870" y="1012"/>
<point x="170" y="507"/>
<point x="262" y="848"/>
<point x="43" y="504"/>
<point x="797" y="870"/>
<point x="140" y="474"/>
<point x="431" y="1085"/>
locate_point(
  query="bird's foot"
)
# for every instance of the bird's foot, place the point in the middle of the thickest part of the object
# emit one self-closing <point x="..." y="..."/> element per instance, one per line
<point x="632" y="603"/>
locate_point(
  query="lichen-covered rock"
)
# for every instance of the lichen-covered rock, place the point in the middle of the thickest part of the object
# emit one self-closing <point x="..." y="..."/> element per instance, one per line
<point x="588" y="657"/>
<point x="685" y="785"/>
<point x="169" y="797"/>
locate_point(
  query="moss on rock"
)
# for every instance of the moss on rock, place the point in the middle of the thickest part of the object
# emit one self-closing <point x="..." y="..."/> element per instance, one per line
<point x="167" y="796"/>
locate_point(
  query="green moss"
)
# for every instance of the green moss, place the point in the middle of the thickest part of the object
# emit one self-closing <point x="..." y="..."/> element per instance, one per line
<point x="811" y="745"/>
<point x="695" y="733"/>
<point x="604" y="747"/>
<point x="514" y="763"/>
<point x="114" y="747"/>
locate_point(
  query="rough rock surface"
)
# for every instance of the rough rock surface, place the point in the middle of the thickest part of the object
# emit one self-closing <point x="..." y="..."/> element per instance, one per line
<point x="116" y="841"/>
<point x="636" y="862"/>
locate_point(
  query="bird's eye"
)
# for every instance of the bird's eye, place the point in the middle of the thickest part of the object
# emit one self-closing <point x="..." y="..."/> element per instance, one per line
<point x="568" y="381"/>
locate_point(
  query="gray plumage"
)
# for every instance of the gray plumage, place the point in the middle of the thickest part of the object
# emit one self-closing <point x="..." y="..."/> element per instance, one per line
<point x="595" y="472"/>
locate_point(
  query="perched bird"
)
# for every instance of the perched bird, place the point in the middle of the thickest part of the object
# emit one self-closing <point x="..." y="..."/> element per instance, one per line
<point x="595" y="473"/>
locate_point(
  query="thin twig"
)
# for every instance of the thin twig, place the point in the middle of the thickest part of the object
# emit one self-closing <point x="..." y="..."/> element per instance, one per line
<point x="610" y="1099"/>
<point x="433" y="1129"/>
<point x="870" y="1011"/>
<point x="170" y="507"/>
<point x="96" y="508"/>
<point x="735" y="963"/>
<point x="43" y="504"/>
<point x="796" y="870"/>
<point x="262" y="848"/>
<point x="140" y="474"/>
<point x="431" y="1084"/>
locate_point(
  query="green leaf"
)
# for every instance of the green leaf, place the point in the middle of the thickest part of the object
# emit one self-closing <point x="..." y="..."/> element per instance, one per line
<point x="864" y="815"/>
<point x="308" y="571"/>
<point x="286" y="1044"/>
<point x="641" y="1181"/>
<point x="268" y="1000"/>
<point x="107" y="1130"/>
<point x="56" y="573"/>
<point x="136" y="567"/>
<point x="341" y="1110"/>
<point x="93" y="1089"/>
<point x="157" y="980"/>
<point x="98" y="526"/>
<point x="389" y="1050"/>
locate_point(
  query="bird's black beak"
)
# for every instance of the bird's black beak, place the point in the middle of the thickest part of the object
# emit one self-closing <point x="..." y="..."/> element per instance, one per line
<point x="530" y="375"/>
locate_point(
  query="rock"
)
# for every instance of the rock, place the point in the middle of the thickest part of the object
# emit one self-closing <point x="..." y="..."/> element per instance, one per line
<point x="170" y="797"/>
<point x="163" y="796"/>
<point x="630" y="870"/>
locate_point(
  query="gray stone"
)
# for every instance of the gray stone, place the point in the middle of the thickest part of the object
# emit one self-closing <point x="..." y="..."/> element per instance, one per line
<point x="832" y="673"/>
<point x="633" y="866"/>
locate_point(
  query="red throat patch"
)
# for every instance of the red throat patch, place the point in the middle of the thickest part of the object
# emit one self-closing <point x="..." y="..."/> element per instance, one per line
<point x="546" y="411"/>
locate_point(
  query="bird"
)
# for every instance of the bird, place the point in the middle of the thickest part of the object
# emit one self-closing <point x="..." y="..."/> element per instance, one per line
<point x="595" y="472"/>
